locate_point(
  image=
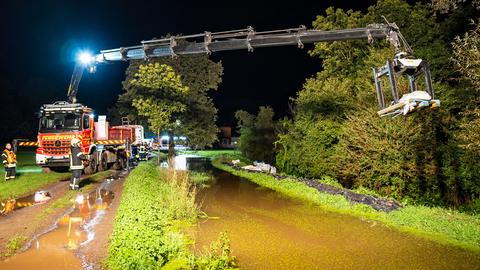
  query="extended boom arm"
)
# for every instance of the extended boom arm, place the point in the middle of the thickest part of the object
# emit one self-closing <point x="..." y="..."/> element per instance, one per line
<point x="244" y="39"/>
<point x="248" y="39"/>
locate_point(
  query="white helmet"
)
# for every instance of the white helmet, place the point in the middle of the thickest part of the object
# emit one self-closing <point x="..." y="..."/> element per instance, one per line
<point x="75" y="141"/>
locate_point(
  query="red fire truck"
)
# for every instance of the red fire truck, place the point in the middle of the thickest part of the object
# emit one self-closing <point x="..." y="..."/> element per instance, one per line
<point x="106" y="146"/>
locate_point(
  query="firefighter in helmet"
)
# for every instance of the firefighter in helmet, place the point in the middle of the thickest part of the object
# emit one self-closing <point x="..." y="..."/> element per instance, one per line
<point x="76" y="163"/>
<point x="9" y="162"/>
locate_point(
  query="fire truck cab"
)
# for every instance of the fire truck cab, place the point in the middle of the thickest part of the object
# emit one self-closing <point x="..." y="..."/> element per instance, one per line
<point x="62" y="121"/>
<point x="59" y="123"/>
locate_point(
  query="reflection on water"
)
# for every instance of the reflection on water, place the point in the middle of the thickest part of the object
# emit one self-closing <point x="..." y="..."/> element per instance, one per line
<point x="11" y="205"/>
<point x="192" y="163"/>
<point x="269" y="231"/>
<point x="53" y="249"/>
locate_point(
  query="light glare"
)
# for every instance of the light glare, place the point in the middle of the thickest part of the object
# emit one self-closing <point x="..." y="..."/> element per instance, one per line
<point x="85" y="58"/>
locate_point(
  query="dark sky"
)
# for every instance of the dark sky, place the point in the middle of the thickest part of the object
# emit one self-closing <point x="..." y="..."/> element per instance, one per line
<point x="39" y="40"/>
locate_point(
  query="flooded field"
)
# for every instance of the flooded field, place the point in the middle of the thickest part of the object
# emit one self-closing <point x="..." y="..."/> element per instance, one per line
<point x="269" y="231"/>
<point x="56" y="248"/>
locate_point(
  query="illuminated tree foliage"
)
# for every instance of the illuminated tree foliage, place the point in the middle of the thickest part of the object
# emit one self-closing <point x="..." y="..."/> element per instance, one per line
<point x="197" y="117"/>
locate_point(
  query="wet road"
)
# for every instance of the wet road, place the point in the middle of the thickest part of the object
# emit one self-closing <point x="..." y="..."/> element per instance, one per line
<point x="269" y="231"/>
<point x="55" y="249"/>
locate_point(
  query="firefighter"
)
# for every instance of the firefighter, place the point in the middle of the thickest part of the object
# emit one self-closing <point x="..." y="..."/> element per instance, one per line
<point x="9" y="161"/>
<point x="76" y="163"/>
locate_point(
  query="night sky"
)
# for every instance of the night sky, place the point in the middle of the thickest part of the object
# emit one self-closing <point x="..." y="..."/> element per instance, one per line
<point x="39" y="41"/>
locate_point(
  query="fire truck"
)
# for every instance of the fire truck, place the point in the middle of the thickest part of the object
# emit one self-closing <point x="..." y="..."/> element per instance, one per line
<point x="62" y="121"/>
<point x="106" y="146"/>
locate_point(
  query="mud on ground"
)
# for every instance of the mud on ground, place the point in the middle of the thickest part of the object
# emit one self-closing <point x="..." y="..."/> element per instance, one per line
<point x="96" y="251"/>
<point x="24" y="222"/>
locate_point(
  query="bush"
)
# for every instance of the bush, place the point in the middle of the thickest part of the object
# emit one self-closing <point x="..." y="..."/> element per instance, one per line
<point x="257" y="134"/>
<point x="308" y="148"/>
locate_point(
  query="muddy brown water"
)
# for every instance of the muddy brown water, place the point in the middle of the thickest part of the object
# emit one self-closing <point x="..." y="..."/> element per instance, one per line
<point x="9" y="206"/>
<point x="56" y="248"/>
<point x="270" y="231"/>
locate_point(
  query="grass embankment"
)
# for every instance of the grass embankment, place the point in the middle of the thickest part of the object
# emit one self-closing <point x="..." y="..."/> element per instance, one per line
<point x="25" y="162"/>
<point x="17" y="241"/>
<point x="234" y="154"/>
<point x="29" y="177"/>
<point x="439" y="224"/>
<point x="156" y="206"/>
<point x="28" y="182"/>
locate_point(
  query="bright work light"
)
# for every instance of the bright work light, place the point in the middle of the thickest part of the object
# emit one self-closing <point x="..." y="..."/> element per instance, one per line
<point x="86" y="58"/>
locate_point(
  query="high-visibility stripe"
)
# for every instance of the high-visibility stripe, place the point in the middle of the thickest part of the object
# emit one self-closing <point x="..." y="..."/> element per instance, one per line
<point x="111" y="142"/>
<point x="27" y="143"/>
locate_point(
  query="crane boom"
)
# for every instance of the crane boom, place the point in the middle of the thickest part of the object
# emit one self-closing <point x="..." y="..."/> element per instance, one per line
<point x="240" y="40"/>
<point x="249" y="39"/>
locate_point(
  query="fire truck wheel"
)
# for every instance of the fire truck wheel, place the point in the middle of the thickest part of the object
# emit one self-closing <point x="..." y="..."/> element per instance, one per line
<point x="103" y="164"/>
<point x="124" y="161"/>
<point x="120" y="163"/>
<point x="92" y="165"/>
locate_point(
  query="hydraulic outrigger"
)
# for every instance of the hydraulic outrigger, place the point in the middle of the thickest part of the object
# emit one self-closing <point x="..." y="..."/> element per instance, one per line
<point x="403" y="62"/>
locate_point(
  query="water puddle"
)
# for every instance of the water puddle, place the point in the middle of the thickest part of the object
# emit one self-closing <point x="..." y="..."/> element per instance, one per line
<point x="269" y="231"/>
<point x="8" y="206"/>
<point x="56" y="248"/>
<point x="191" y="162"/>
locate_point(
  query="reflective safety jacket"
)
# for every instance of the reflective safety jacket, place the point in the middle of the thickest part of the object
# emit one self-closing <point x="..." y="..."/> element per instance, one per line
<point x="9" y="158"/>
<point x="76" y="157"/>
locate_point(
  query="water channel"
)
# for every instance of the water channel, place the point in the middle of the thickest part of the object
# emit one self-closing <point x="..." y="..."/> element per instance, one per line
<point x="270" y="231"/>
<point x="266" y="229"/>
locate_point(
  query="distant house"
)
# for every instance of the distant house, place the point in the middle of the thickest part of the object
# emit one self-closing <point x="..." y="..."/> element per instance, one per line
<point x="225" y="139"/>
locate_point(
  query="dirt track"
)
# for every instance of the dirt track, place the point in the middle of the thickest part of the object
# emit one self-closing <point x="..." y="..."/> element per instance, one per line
<point x="24" y="221"/>
<point x="96" y="251"/>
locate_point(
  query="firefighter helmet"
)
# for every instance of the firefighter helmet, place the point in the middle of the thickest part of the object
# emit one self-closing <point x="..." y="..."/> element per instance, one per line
<point x="75" y="141"/>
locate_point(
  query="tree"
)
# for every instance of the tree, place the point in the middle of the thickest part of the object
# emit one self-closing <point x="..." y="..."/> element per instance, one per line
<point x="335" y="130"/>
<point x="160" y="96"/>
<point x="200" y="75"/>
<point x="257" y="134"/>
<point x="445" y="6"/>
<point x="466" y="55"/>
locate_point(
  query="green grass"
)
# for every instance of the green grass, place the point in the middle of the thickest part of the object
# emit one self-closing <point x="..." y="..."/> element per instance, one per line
<point x="438" y="224"/>
<point x="200" y="179"/>
<point x="156" y="206"/>
<point x="28" y="182"/>
<point x="216" y="153"/>
<point x="29" y="177"/>
<point x="14" y="244"/>
<point x="25" y="162"/>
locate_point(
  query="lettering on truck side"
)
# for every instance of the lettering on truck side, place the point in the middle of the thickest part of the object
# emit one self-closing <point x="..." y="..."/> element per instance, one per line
<point x="58" y="137"/>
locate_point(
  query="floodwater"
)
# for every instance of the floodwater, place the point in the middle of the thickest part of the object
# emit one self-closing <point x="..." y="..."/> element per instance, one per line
<point x="56" y="248"/>
<point x="269" y="231"/>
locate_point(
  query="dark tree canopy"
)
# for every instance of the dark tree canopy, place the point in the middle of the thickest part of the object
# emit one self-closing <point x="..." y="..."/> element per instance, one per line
<point x="257" y="134"/>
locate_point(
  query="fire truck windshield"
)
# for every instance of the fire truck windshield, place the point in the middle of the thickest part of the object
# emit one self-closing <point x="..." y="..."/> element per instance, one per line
<point x="60" y="122"/>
